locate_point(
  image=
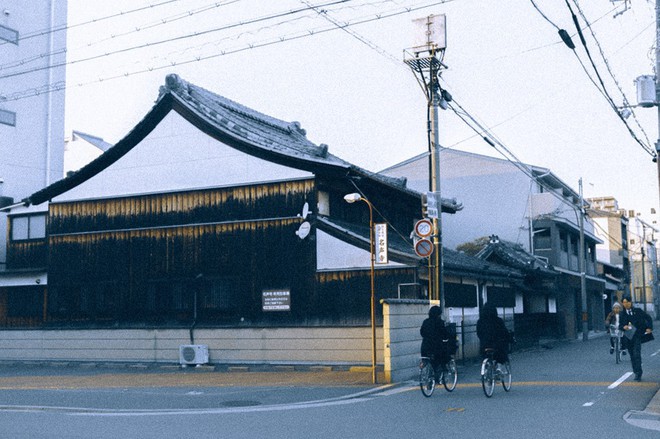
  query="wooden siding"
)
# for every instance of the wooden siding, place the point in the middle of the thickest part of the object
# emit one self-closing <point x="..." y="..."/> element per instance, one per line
<point x="344" y="296"/>
<point x="22" y="306"/>
<point x="201" y="258"/>
<point x="27" y="254"/>
<point x="274" y="200"/>
<point x="143" y="259"/>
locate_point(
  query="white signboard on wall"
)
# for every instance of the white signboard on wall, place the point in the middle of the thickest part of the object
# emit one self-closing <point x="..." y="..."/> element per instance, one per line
<point x="380" y="241"/>
<point x="276" y="300"/>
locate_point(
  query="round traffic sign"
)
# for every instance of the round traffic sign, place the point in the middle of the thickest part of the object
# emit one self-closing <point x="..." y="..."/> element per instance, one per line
<point x="423" y="228"/>
<point x="424" y="247"/>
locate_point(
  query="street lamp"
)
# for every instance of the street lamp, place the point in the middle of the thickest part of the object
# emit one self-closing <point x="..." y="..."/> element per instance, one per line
<point x="352" y="198"/>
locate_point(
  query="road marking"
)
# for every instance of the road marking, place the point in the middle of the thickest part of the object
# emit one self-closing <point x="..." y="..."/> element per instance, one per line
<point x="588" y="404"/>
<point x="616" y="383"/>
<point x="655" y="353"/>
<point x="396" y="391"/>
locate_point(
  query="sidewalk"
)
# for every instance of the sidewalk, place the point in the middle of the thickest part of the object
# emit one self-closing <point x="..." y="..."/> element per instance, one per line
<point x="69" y="375"/>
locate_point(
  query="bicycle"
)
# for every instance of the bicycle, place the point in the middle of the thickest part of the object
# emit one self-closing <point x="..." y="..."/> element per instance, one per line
<point x="615" y="334"/>
<point x="448" y="376"/>
<point x="491" y="373"/>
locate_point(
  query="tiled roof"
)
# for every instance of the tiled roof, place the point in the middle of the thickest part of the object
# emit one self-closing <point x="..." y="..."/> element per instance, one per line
<point x="239" y="126"/>
<point x="401" y="250"/>
<point x="513" y="256"/>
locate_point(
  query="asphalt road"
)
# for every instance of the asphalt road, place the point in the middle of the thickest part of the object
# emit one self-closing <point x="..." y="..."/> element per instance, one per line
<point x="571" y="389"/>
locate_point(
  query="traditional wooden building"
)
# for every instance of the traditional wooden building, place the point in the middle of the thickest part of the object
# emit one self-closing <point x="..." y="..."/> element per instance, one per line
<point x="209" y="214"/>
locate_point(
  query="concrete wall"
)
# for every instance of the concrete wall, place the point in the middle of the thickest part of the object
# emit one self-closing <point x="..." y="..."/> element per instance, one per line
<point x="401" y="322"/>
<point x="241" y="345"/>
<point x="402" y="319"/>
<point x="398" y="343"/>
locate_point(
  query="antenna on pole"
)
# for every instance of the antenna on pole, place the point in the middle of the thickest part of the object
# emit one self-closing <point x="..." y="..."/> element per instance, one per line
<point x="425" y="60"/>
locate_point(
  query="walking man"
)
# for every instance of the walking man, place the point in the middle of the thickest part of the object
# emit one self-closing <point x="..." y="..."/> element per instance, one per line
<point x="635" y="323"/>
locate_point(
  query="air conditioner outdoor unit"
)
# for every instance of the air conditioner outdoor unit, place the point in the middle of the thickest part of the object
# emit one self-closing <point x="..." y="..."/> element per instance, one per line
<point x="193" y="354"/>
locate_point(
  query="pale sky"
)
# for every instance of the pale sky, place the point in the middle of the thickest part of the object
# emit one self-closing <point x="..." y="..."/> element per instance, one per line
<point x="350" y="89"/>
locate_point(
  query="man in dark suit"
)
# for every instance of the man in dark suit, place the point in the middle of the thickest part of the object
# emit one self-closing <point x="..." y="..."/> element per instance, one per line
<point x="634" y="319"/>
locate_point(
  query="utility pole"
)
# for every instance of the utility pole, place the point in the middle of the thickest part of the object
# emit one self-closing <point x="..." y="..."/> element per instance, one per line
<point x="426" y="62"/>
<point x="657" y="85"/>
<point x="643" y="295"/>
<point x="583" y="271"/>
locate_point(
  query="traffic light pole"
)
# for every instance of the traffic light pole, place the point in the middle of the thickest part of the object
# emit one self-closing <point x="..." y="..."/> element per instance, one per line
<point x="438" y="260"/>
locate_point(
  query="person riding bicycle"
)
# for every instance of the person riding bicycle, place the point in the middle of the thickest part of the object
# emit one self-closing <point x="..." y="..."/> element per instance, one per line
<point x="613" y="320"/>
<point x="493" y="334"/>
<point x="433" y="333"/>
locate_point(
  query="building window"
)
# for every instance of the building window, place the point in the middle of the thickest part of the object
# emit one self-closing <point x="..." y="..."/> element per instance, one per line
<point x="218" y="295"/>
<point x="8" y="118"/>
<point x="28" y="227"/>
<point x="9" y="35"/>
<point x="542" y="239"/>
<point x="563" y="239"/>
<point x="323" y="206"/>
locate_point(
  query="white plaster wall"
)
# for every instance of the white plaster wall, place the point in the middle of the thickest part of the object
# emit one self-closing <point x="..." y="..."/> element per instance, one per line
<point x="334" y="254"/>
<point x="494" y="194"/>
<point x="177" y="156"/>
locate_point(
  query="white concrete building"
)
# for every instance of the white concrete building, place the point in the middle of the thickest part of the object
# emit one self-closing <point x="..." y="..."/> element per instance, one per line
<point x="32" y="77"/>
<point x="523" y="204"/>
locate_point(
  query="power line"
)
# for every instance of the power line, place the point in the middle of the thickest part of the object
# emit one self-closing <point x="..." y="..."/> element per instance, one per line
<point x="60" y="28"/>
<point x="500" y="147"/>
<point x="59" y="86"/>
<point x="600" y="85"/>
<point x="160" y="22"/>
<point x="168" y="40"/>
<point x="616" y="82"/>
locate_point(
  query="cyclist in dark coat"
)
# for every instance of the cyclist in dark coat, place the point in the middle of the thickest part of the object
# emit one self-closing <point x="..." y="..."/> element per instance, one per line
<point x="433" y="332"/>
<point x="492" y="333"/>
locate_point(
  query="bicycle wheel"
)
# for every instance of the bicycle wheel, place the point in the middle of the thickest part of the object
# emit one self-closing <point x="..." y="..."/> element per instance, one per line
<point x="617" y="350"/>
<point x="426" y="378"/>
<point x="488" y="377"/>
<point x="450" y="376"/>
<point x="506" y="376"/>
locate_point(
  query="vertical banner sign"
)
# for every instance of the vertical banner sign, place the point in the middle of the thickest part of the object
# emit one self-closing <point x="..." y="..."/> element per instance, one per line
<point x="433" y="202"/>
<point x="380" y="230"/>
<point x="276" y="300"/>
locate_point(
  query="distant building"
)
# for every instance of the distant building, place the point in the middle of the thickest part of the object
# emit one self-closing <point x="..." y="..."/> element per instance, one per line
<point x="80" y="149"/>
<point x="533" y="209"/>
<point x="644" y="260"/>
<point x="31" y="100"/>
<point x="612" y="254"/>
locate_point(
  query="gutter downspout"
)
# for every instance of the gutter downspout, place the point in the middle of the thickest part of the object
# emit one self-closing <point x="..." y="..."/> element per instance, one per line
<point x="194" y="322"/>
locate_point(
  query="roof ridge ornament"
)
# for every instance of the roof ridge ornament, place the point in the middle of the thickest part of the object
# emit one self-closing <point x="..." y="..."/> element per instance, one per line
<point x="173" y="83"/>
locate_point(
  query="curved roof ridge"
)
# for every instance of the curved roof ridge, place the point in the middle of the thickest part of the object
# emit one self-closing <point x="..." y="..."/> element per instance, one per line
<point x="215" y="103"/>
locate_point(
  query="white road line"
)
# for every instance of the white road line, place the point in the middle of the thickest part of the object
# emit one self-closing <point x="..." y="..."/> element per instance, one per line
<point x="218" y="411"/>
<point x="616" y="383"/>
<point x="396" y="391"/>
<point x="588" y="404"/>
<point x="655" y="353"/>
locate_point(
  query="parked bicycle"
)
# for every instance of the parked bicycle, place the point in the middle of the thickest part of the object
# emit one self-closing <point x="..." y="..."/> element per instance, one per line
<point x="448" y="376"/>
<point x="492" y="372"/>
<point x="615" y="334"/>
